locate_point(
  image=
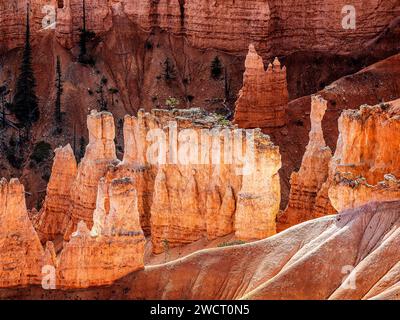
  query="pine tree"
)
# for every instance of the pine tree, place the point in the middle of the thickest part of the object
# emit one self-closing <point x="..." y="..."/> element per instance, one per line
<point x="216" y="68"/>
<point x="83" y="39"/>
<point x="85" y="36"/>
<point x="169" y="70"/>
<point x="4" y="91"/>
<point x="59" y="87"/>
<point x="25" y="104"/>
<point x="82" y="148"/>
<point x="101" y="100"/>
<point x="113" y="91"/>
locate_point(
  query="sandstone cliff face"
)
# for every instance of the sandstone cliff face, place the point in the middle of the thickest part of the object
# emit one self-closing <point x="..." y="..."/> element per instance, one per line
<point x="70" y="19"/>
<point x="211" y="180"/>
<point x="259" y="197"/>
<point x="13" y="19"/>
<point x="114" y="247"/>
<point x="20" y="249"/>
<point x="176" y="218"/>
<point x="264" y="97"/>
<point x="349" y="191"/>
<point x="54" y="215"/>
<point x="307" y="182"/>
<point x="198" y="195"/>
<point x="366" y="163"/>
<point x="377" y="82"/>
<point x="99" y="155"/>
<point x="134" y="165"/>
<point x="234" y="24"/>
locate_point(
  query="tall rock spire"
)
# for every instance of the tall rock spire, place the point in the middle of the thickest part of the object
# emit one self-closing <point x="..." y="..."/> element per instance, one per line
<point x="306" y="184"/>
<point x="54" y="215"/>
<point x="264" y="97"/>
<point x="99" y="155"/>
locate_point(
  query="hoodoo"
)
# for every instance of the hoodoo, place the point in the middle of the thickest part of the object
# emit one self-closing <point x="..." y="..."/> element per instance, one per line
<point x="306" y="184"/>
<point x="366" y="164"/>
<point x="54" y="216"/>
<point x="20" y="249"/>
<point x="100" y="153"/>
<point x="264" y="97"/>
<point x="114" y="248"/>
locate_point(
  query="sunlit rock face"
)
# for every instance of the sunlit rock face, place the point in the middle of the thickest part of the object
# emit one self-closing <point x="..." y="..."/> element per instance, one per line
<point x="134" y="166"/>
<point x="264" y="97"/>
<point x="259" y="197"/>
<point x="99" y="155"/>
<point x="209" y="179"/>
<point x="366" y="164"/>
<point x="115" y="245"/>
<point x="20" y="250"/>
<point x="53" y="217"/>
<point x="307" y="182"/>
<point x="201" y="185"/>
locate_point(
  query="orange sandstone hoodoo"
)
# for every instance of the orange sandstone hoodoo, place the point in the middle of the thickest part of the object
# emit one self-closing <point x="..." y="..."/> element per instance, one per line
<point x="307" y="183"/>
<point x="178" y="203"/>
<point x="364" y="168"/>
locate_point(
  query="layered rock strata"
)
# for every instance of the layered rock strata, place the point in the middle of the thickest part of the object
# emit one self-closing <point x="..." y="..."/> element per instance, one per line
<point x="264" y="97"/>
<point x="227" y="25"/>
<point x="364" y="168"/>
<point x="98" y="19"/>
<point x="307" y="182"/>
<point x="201" y="180"/>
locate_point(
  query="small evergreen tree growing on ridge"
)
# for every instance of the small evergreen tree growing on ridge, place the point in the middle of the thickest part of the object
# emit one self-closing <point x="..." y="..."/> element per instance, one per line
<point x="59" y="87"/>
<point x="25" y="103"/>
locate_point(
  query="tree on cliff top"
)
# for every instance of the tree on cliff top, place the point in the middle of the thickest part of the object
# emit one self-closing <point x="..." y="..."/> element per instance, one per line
<point x="25" y="104"/>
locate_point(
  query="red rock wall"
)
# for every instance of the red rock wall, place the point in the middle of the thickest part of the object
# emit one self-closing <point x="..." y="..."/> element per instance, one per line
<point x="280" y="27"/>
